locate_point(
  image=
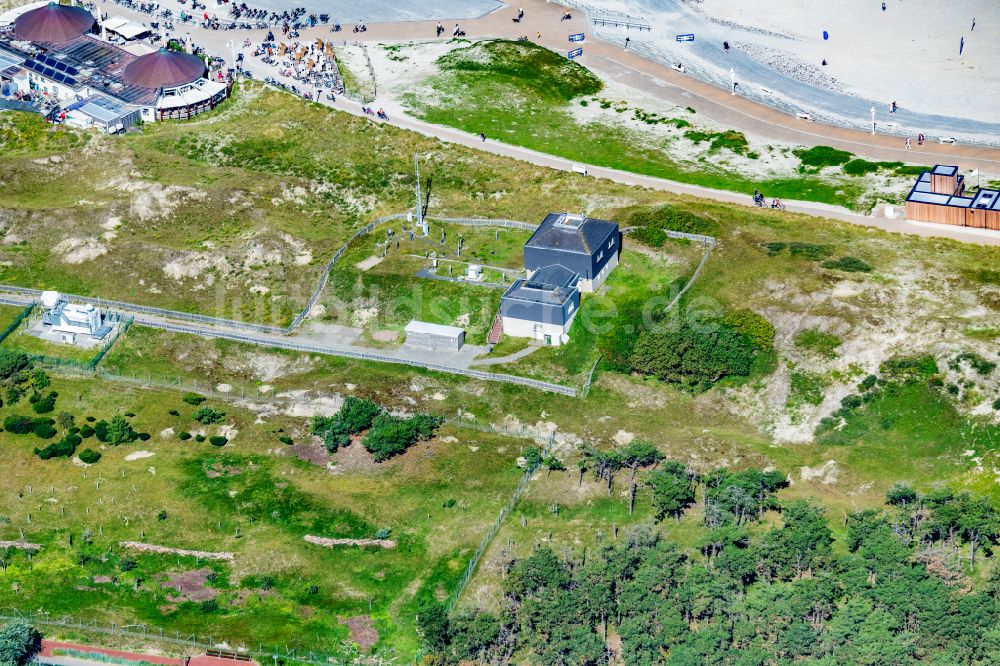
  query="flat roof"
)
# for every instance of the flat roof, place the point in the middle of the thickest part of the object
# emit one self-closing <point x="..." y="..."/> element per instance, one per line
<point x="944" y="170"/>
<point x="433" y="329"/>
<point x="987" y="199"/>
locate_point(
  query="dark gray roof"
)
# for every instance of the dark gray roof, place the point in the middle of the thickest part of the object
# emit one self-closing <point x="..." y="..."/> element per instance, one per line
<point x="556" y="275"/>
<point x="552" y="285"/>
<point x="921" y="192"/>
<point x="944" y="170"/>
<point x="571" y="233"/>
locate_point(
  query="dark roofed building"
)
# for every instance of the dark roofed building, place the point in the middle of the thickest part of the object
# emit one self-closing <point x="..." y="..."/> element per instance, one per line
<point x="542" y="306"/>
<point x="53" y="23"/>
<point x="584" y="245"/>
<point x="164" y="69"/>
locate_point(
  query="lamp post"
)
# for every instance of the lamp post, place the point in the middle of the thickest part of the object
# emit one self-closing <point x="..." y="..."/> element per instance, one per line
<point x="732" y="77"/>
<point x="873" y="120"/>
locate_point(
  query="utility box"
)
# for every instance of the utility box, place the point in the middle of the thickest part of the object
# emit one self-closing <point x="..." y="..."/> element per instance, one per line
<point x="434" y="336"/>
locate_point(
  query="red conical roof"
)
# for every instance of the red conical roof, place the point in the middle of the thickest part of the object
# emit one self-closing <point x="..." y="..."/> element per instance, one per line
<point x="164" y="69"/>
<point x="53" y="23"/>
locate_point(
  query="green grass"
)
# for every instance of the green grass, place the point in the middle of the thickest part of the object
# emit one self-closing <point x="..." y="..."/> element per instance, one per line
<point x="822" y="156"/>
<point x="252" y="498"/>
<point x="480" y="90"/>
<point x="39" y="347"/>
<point x="824" y="344"/>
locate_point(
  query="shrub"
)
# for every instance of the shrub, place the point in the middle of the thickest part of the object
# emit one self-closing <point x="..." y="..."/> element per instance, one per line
<point x="996" y="404"/>
<point x="822" y="343"/>
<point x="754" y="326"/>
<point x="217" y="440"/>
<point x="809" y="251"/>
<point x="859" y="167"/>
<point x="208" y="416"/>
<point x="694" y="357"/>
<point x="822" y="156"/>
<point x="184" y="435"/>
<point x="868" y="383"/>
<point x="86" y="431"/>
<point x="847" y="264"/>
<point x="13" y="363"/>
<point x="101" y="430"/>
<point x="174" y="412"/>
<point x="90" y="456"/>
<point x="383" y="533"/>
<point x="909" y="367"/>
<point x="977" y="362"/>
<point x="851" y="402"/>
<point x="356" y="415"/>
<point x="119" y="431"/>
<point x="162" y="515"/>
<point x="193" y="399"/>
<point x="43" y="428"/>
<point x="64" y="448"/>
<point x="285" y="439"/>
<point x="390" y="435"/>
<point x="127" y="564"/>
<point x="199" y="438"/>
<point x="18" y="425"/>
<point x="672" y="219"/>
<point x="806" y="387"/>
<point x="143" y="436"/>
<point x="209" y="606"/>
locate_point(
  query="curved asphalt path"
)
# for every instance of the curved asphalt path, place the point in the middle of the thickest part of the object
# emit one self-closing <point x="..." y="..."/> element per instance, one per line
<point x="543" y="18"/>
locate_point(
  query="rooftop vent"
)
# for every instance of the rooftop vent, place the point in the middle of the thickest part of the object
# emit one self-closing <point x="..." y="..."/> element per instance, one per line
<point x="569" y="220"/>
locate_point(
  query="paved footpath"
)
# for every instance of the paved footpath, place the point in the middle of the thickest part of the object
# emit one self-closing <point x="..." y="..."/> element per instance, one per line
<point x="544" y="18"/>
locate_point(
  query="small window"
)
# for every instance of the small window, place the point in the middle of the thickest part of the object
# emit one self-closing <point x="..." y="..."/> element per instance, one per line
<point x="600" y="255"/>
<point x="572" y="306"/>
<point x="611" y="243"/>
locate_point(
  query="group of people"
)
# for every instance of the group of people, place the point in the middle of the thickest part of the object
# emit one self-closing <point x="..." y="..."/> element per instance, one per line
<point x="456" y="32"/>
<point x="381" y="114"/>
<point x="761" y="202"/>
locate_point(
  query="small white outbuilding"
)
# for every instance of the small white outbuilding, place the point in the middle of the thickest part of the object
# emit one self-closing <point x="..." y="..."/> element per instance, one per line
<point x="434" y="336"/>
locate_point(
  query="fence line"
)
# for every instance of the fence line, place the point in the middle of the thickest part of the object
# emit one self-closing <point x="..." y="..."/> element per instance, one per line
<point x="300" y="317"/>
<point x="205" y="643"/>
<point x="487" y="539"/>
<point x="14" y="325"/>
<point x="590" y="376"/>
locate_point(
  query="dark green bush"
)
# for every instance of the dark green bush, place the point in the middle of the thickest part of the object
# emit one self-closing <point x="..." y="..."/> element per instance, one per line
<point x="909" y="367"/>
<point x="754" y="326"/>
<point x="18" y="425"/>
<point x="355" y="415"/>
<point x="143" y="436"/>
<point x="693" y="356"/>
<point x="285" y="439"/>
<point x="822" y="156"/>
<point x="43" y="428"/>
<point x="90" y="456"/>
<point x="199" y="438"/>
<point x="981" y="365"/>
<point x="208" y="416"/>
<point x="847" y="264"/>
<point x="217" y="440"/>
<point x="193" y="399"/>
<point x="391" y="435"/>
<point x="184" y="435"/>
<point x="86" y="431"/>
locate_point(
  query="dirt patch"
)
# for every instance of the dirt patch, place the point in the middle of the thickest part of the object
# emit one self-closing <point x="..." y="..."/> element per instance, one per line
<point x="103" y="579"/>
<point x="216" y="470"/>
<point x="385" y="336"/>
<point x="165" y="550"/>
<point x="355" y="457"/>
<point x="361" y="543"/>
<point x="362" y="631"/>
<point x="369" y="263"/>
<point x="189" y="586"/>
<point x="313" y="453"/>
<point x="139" y="455"/>
<point x="20" y="545"/>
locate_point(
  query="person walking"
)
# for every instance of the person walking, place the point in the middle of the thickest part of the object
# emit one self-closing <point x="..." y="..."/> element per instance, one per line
<point x="909" y="143"/>
<point x="627" y="40"/>
<point x="482" y="136"/>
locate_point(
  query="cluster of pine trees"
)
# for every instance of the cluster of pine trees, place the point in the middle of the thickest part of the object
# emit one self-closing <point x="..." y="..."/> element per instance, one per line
<point x="899" y="589"/>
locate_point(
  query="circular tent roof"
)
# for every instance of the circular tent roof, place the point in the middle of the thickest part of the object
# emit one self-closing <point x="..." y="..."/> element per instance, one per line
<point x="164" y="69"/>
<point x="53" y="23"/>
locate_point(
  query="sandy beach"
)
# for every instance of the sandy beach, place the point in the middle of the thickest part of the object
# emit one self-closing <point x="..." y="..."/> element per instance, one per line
<point x="908" y="53"/>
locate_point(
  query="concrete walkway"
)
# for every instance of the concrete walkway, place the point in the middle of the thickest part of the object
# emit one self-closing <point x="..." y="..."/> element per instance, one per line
<point x="544" y="18"/>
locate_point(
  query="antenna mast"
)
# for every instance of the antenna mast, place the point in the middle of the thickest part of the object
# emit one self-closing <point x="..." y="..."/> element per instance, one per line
<point x="420" y="206"/>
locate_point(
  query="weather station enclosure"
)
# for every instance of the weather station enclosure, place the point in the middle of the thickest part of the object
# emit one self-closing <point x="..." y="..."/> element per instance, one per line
<point x="434" y="336"/>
